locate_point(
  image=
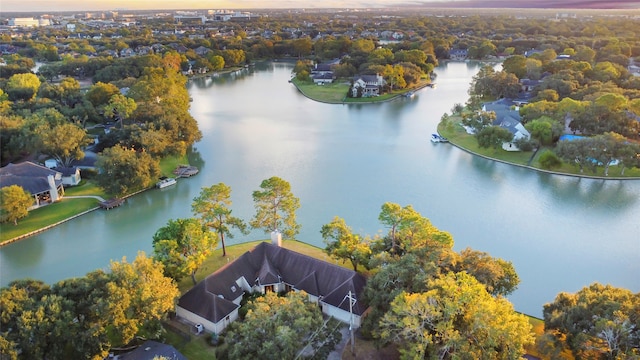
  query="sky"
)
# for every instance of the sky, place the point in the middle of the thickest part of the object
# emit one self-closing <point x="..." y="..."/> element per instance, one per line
<point x="93" y="5"/>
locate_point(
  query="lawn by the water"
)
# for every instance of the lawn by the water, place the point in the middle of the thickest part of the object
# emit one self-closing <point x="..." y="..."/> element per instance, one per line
<point x="452" y="130"/>
<point x="44" y="216"/>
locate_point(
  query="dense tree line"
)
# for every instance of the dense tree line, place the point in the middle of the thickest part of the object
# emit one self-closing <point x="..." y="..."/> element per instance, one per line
<point x="84" y="317"/>
<point x="427" y="299"/>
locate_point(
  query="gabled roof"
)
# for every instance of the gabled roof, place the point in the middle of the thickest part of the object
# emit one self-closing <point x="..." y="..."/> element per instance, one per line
<point x="267" y="263"/>
<point x="31" y="177"/>
<point x="150" y="350"/>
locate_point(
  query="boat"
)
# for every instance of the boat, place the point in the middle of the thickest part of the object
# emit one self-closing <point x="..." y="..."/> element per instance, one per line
<point x="163" y="183"/>
<point x="410" y="94"/>
<point x="435" y="138"/>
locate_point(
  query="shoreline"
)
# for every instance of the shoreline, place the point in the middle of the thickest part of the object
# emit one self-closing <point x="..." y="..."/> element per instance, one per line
<point x="545" y="171"/>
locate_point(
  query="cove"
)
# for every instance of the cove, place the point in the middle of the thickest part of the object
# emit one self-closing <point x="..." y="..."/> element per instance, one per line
<point x="561" y="233"/>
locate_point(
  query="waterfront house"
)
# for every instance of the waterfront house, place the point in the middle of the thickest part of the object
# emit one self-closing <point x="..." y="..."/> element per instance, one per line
<point x="367" y="85"/>
<point x="214" y="302"/>
<point x="44" y="184"/>
<point x="508" y="116"/>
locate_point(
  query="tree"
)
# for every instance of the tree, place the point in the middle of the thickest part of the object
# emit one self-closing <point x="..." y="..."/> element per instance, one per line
<point x="276" y="207"/>
<point x="599" y="321"/>
<point x="182" y="246"/>
<point x="497" y="275"/>
<point x="22" y="87"/>
<point x="212" y="206"/>
<point x="544" y="129"/>
<point x="14" y="203"/>
<point x="138" y="297"/>
<point x="125" y="170"/>
<point x="100" y="93"/>
<point x="120" y="107"/>
<point x="275" y="327"/>
<point x="457" y="318"/>
<point x="63" y="142"/>
<point x="343" y="244"/>
<point x="396" y="218"/>
<point x="493" y="136"/>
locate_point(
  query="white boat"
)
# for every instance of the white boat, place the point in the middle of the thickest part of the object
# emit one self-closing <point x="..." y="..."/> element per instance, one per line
<point x="438" y="139"/>
<point x="165" y="183"/>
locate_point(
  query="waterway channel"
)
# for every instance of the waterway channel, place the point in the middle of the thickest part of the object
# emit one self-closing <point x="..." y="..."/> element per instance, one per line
<point x="561" y="233"/>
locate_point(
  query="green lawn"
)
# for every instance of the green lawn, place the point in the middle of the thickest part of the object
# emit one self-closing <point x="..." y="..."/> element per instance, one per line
<point x="336" y="92"/>
<point x="85" y="188"/>
<point x="456" y="134"/>
<point x="168" y="164"/>
<point x="45" y="216"/>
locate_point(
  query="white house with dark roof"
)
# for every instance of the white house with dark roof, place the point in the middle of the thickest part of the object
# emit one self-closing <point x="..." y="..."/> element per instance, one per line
<point x="367" y="85"/>
<point x="44" y="184"/>
<point x="214" y="302"/>
<point x="508" y="117"/>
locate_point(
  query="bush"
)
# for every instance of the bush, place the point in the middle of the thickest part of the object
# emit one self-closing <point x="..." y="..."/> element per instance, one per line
<point x="549" y="160"/>
<point x="88" y="174"/>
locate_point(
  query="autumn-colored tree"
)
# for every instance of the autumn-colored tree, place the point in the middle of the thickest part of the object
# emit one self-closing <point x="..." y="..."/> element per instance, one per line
<point x="14" y="203"/>
<point x="276" y="207"/>
<point x="343" y="244"/>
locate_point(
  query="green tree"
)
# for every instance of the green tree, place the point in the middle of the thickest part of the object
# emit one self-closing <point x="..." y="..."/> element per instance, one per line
<point x="396" y="218"/>
<point x="63" y="142"/>
<point x="182" y="246"/>
<point x="126" y="170"/>
<point x="275" y="327"/>
<point x="497" y="275"/>
<point x="599" y="321"/>
<point x="120" y="107"/>
<point x="493" y="136"/>
<point x="14" y="203"/>
<point x="22" y="87"/>
<point x="457" y="318"/>
<point x="212" y="206"/>
<point x="276" y="207"/>
<point x="544" y="129"/>
<point x="100" y="93"/>
<point x="549" y="160"/>
<point x="138" y="297"/>
<point x="343" y="244"/>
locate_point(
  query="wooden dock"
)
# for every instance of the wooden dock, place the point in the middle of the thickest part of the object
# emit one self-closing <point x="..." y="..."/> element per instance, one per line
<point x="111" y="203"/>
<point x="185" y="171"/>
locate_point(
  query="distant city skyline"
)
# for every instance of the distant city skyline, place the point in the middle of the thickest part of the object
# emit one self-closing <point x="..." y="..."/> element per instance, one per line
<point x="123" y="5"/>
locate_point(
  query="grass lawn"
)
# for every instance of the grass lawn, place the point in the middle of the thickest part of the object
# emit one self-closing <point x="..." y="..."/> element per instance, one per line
<point x="168" y="164"/>
<point x="458" y="136"/>
<point x="334" y="93"/>
<point x="85" y="188"/>
<point x="45" y="216"/>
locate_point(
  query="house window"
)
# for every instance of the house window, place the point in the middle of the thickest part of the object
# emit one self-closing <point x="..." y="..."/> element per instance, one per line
<point x="233" y="288"/>
<point x="269" y="288"/>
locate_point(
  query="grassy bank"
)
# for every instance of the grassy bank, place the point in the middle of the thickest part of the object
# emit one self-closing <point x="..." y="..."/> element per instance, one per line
<point x="336" y="92"/>
<point x="67" y="208"/>
<point x="452" y="130"/>
<point x="45" y="216"/>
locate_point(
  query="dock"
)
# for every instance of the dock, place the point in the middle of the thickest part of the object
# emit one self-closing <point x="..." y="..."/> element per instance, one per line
<point x="185" y="171"/>
<point x="111" y="203"/>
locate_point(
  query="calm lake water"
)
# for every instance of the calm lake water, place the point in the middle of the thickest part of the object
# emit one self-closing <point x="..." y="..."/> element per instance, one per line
<point x="561" y="233"/>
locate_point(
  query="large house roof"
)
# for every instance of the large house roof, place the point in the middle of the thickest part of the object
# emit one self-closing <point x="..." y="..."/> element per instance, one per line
<point x="150" y="350"/>
<point x="270" y="264"/>
<point x="31" y="177"/>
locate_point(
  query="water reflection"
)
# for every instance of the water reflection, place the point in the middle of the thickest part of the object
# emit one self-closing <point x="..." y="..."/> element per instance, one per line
<point x="600" y="195"/>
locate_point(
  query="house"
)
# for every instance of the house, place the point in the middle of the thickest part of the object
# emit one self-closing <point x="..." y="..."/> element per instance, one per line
<point x="70" y="175"/>
<point x="150" y="350"/>
<point x="527" y="85"/>
<point x="458" y="54"/>
<point x="44" y="184"/>
<point x="367" y="85"/>
<point x="202" y="51"/>
<point x="508" y="117"/>
<point x="214" y="302"/>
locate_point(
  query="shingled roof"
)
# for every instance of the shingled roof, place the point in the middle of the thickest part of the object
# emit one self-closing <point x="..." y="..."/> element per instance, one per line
<point x="269" y="264"/>
<point x="31" y="177"/>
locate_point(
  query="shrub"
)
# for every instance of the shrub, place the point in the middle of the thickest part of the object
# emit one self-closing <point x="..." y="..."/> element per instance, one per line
<point x="549" y="160"/>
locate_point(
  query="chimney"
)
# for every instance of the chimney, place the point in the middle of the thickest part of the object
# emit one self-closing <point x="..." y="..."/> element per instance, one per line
<point x="276" y="238"/>
<point x="52" y="188"/>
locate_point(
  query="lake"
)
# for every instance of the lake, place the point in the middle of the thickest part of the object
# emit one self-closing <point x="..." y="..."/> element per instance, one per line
<point x="561" y="233"/>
